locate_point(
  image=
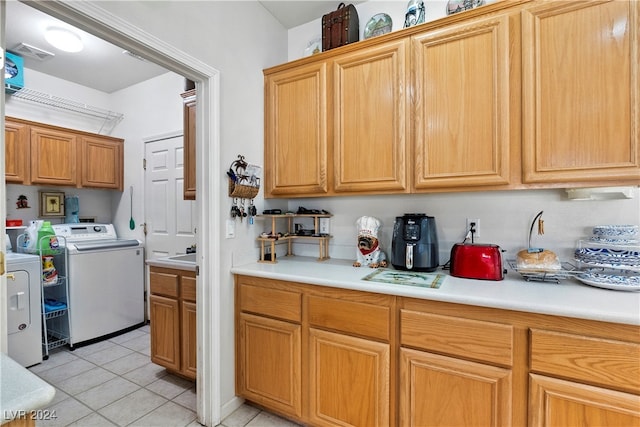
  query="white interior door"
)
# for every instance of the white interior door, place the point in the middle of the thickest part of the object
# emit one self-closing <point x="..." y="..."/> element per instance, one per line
<point x="170" y="220"/>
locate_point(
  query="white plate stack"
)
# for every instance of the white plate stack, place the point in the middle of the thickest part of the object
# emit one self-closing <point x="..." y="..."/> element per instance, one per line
<point x="610" y="258"/>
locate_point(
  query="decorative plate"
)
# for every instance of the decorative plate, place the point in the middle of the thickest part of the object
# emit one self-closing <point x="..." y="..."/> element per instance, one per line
<point x="415" y="13"/>
<point x="615" y="231"/>
<point x="314" y="46"/>
<point x="614" y="241"/>
<point x="619" y="257"/>
<point x="455" y="6"/>
<point x="618" y="280"/>
<point x="378" y="25"/>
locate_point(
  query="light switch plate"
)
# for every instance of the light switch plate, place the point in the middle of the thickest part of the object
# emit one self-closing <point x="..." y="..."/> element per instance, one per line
<point x="230" y="229"/>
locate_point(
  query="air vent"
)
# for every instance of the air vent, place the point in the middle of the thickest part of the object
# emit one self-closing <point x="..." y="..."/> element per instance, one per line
<point x="26" y="50"/>
<point x="134" y="55"/>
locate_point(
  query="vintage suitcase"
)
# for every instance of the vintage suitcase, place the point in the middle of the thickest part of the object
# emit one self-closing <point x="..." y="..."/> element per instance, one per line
<point x="340" y="27"/>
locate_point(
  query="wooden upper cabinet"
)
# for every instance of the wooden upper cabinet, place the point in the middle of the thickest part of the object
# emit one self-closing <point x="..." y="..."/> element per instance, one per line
<point x="16" y="152"/>
<point x="462" y="94"/>
<point x="101" y="162"/>
<point x="53" y="157"/>
<point x="38" y="153"/>
<point x="189" y="145"/>
<point x="296" y="153"/>
<point x="371" y="119"/>
<point x="581" y="91"/>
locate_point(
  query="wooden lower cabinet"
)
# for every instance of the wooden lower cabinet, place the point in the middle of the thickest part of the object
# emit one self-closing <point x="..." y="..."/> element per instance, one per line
<point x="325" y="356"/>
<point x="173" y="322"/>
<point x="165" y="332"/>
<point x="341" y="368"/>
<point x="444" y="391"/>
<point x="270" y="356"/>
<point x="560" y="403"/>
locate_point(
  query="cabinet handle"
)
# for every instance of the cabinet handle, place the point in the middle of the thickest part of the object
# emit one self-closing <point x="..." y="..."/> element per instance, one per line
<point x="11" y="276"/>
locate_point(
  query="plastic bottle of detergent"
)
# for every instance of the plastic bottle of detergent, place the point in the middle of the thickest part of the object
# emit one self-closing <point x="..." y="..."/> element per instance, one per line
<point x="30" y="243"/>
<point x="47" y="240"/>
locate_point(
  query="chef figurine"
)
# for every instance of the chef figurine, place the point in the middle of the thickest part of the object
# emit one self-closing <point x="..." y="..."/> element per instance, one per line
<point x="369" y="252"/>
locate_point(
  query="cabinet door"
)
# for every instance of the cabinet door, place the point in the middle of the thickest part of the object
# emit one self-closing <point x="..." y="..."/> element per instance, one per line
<point x="189" y="146"/>
<point x="53" y="157"/>
<point x="581" y="91"/>
<point x="101" y="163"/>
<point x="188" y="335"/>
<point x="165" y="332"/>
<point x="370" y="116"/>
<point x="16" y="152"/>
<point x="342" y="367"/>
<point x="462" y="111"/>
<point x="443" y="391"/>
<point x="559" y="403"/>
<point x="269" y="362"/>
<point x="296" y="131"/>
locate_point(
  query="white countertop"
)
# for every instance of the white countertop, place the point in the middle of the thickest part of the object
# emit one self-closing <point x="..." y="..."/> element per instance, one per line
<point x="568" y="298"/>
<point x="167" y="262"/>
<point x="20" y="390"/>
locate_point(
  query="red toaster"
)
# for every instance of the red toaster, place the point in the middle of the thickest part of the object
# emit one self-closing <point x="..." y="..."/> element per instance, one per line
<point x="476" y="261"/>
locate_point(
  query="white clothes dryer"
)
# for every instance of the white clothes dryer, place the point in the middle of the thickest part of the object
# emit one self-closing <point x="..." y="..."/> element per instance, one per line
<point x="24" y="314"/>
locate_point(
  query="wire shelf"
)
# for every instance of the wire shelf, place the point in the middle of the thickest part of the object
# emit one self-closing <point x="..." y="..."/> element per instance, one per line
<point x="110" y="118"/>
<point x="54" y="314"/>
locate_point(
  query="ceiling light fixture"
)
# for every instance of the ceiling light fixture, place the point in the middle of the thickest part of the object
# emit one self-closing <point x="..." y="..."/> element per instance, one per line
<point x="63" y="39"/>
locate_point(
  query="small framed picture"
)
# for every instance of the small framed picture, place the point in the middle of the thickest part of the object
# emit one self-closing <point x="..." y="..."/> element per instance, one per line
<point x="51" y="204"/>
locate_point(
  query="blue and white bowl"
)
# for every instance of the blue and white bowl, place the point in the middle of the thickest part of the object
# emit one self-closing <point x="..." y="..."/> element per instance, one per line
<point x="615" y="231"/>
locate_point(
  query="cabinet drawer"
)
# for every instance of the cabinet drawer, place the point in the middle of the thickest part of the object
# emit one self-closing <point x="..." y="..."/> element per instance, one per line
<point x="595" y="360"/>
<point x="348" y="316"/>
<point x="163" y="284"/>
<point x="188" y="288"/>
<point x="466" y="338"/>
<point x="271" y="302"/>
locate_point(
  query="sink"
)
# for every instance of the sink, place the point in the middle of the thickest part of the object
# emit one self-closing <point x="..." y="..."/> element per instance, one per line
<point x="183" y="258"/>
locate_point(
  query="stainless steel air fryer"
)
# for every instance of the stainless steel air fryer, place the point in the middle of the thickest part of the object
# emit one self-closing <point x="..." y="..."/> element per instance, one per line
<point x="415" y="243"/>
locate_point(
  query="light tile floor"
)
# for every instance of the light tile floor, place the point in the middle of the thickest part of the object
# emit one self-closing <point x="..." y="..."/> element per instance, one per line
<point x="114" y="383"/>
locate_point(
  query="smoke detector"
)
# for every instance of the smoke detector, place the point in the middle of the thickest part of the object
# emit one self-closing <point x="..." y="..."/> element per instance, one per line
<point x="28" y="51"/>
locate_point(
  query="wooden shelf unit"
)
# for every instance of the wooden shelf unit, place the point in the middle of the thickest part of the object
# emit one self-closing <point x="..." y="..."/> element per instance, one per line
<point x="290" y="236"/>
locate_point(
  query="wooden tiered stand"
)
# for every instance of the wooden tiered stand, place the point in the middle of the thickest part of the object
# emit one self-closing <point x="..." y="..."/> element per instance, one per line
<point x="290" y="236"/>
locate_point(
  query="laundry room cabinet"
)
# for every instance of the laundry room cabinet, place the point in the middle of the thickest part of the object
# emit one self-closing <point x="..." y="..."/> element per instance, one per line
<point x="42" y="154"/>
<point x="173" y="320"/>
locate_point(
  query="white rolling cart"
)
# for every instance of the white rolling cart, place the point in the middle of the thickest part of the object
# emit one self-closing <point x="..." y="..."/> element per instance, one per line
<point x="56" y="308"/>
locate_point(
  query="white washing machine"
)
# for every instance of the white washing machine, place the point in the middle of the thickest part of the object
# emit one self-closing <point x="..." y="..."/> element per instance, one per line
<point x="106" y="281"/>
<point x="24" y="318"/>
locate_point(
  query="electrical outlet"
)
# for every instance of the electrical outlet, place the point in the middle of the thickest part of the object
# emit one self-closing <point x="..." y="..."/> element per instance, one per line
<point x="324" y="226"/>
<point x="475" y="221"/>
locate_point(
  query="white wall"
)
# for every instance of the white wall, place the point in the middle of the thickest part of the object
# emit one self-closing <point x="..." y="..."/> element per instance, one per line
<point x="300" y="36"/>
<point x="505" y="218"/>
<point x="56" y="87"/>
<point x="151" y="108"/>
<point x="239" y="39"/>
<point x="93" y="203"/>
